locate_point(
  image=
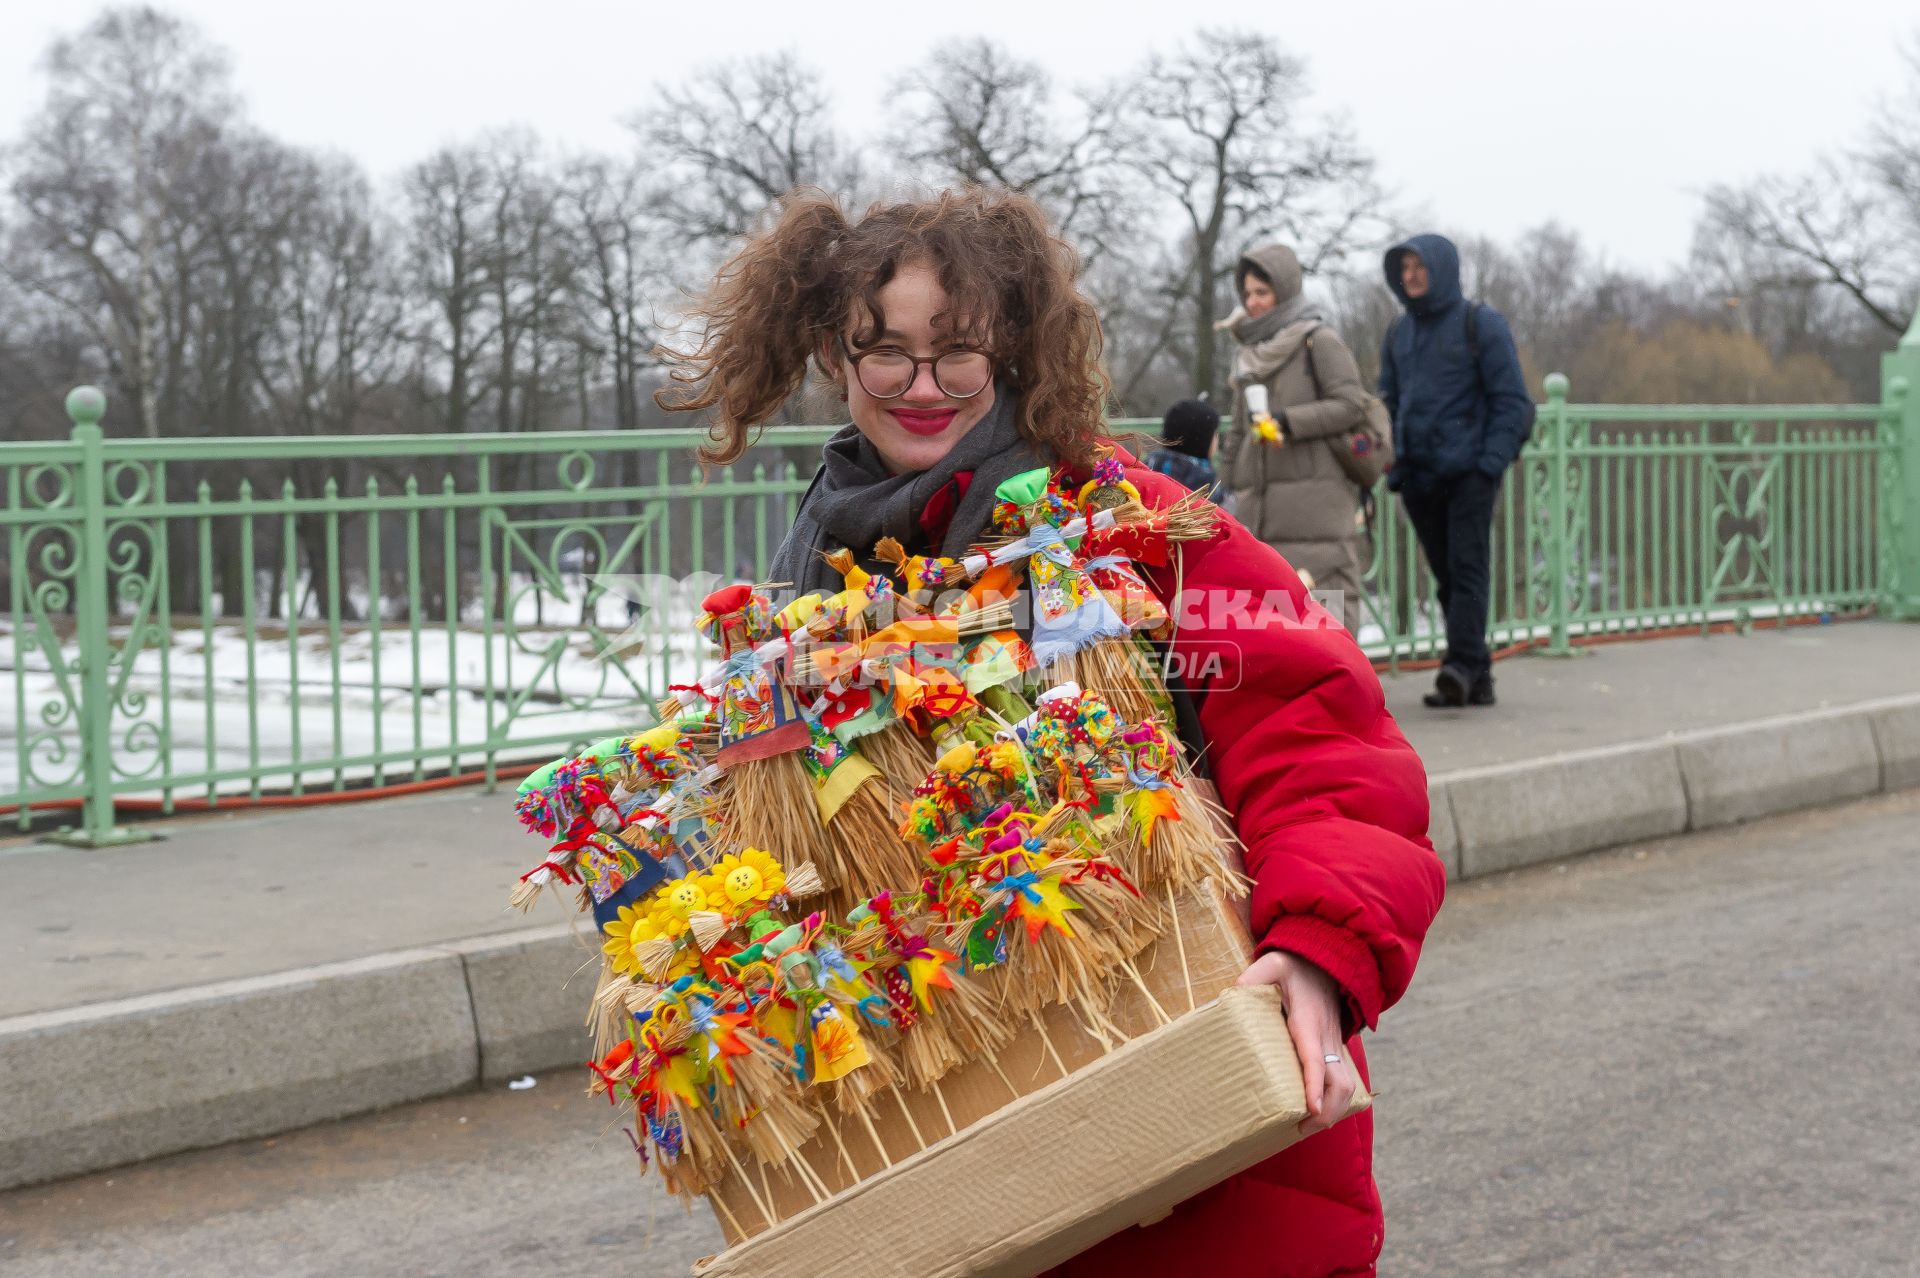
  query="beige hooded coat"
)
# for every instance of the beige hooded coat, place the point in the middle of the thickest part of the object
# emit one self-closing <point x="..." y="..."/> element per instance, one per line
<point x="1295" y="497"/>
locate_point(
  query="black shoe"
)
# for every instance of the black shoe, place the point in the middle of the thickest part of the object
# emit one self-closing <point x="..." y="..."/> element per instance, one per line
<point x="1482" y="694"/>
<point x="1450" y="689"/>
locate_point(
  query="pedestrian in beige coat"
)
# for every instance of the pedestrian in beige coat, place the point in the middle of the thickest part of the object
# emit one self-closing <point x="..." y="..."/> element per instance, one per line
<point x="1292" y="493"/>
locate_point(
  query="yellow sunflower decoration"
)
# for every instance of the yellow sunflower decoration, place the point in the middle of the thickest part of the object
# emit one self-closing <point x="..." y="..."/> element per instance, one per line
<point x="634" y="927"/>
<point x="662" y="916"/>
<point x="673" y="902"/>
<point x="741" y="884"/>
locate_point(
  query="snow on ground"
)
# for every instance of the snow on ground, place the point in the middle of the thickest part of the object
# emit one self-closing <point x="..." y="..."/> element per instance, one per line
<point x="217" y="711"/>
<point x="220" y="703"/>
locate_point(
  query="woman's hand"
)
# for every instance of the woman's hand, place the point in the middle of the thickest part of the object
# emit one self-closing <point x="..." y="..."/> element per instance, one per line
<point x="1312" y="1003"/>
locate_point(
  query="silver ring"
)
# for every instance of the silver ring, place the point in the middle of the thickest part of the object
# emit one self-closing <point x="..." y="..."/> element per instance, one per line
<point x="1331" y="1058"/>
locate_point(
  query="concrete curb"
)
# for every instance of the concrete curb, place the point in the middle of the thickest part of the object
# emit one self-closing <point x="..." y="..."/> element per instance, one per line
<point x="117" y="1082"/>
<point x="1896" y="734"/>
<point x="111" y="1083"/>
<point x="1442" y="831"/>
<point x="1519" y="814"/>
<point x="530" y="992"/>
<point x="1512" y="815"/>
<point x="1778" y="765"/>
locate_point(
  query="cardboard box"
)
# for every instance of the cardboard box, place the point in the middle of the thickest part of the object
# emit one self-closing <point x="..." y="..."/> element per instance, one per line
<point x="1050" y="1174"/>
<point x="1051" y="1143"/>
<point x="1185" y="968"/>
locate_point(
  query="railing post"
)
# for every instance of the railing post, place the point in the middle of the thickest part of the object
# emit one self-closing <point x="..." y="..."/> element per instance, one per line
<point x="1900" y="490"/>
<point x="1558" y="545"/>
<point x="86" y="406"/>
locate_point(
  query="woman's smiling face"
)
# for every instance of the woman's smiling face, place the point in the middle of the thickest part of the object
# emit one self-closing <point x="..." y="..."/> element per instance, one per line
<point x="916" y="429"/>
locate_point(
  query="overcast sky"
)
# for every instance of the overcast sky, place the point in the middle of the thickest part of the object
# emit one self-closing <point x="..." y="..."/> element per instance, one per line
<point x="1610" y="118"/>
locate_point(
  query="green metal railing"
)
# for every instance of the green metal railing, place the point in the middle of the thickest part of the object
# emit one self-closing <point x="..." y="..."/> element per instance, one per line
<point x="1623" y="519"/>
<point x="196" y="621"/>
<point x="199" y="620"/>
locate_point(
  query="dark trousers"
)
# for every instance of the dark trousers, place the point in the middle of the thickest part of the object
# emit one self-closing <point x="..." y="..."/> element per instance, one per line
<point x="1454" y="520"/>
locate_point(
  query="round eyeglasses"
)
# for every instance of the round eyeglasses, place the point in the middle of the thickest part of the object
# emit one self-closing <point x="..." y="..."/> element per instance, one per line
<point x="887" y="373"/>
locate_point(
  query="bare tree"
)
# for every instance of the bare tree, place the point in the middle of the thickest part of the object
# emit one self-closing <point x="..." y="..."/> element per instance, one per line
<point x="1143" y="299"/>
<point x="337" y="339"/>
<point x="448" y="256"/>
<point x="1544" y="283"/>
<point x="219" y="280"/>
<point x="548" y="295"/>
<point x="132" y="101"/>
<point x="614" y="221"/>
<point x="518" y="212"/>
<point x="1892" y="154"/>
<point x="236" y="232"/>
<point x="1828" y="228"/>
<point x="538" y="274"/>
<point x="43" y="353"/>
<point x="1219" y="129"/>
<point x="975" y="113"/>
<point x="1362" y="308"/>
<point x="1765" y="291"/>
<point x="1851" y="225"/>
<point x="737" y="137"/>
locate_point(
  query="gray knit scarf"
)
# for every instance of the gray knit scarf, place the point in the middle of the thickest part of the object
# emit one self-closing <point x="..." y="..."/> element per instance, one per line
<point x="854" y="501"/>
<point x="1252" y="332"/>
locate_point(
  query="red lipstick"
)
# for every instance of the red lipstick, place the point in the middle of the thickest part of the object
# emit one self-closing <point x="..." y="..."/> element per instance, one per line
<point x="924" y="421"/>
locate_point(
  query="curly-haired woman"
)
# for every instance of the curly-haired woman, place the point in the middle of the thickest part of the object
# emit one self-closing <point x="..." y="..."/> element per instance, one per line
<point x="956" y="331"/>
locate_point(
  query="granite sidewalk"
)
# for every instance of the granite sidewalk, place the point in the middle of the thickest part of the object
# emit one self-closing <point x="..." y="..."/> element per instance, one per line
<point x="258" y="972"/>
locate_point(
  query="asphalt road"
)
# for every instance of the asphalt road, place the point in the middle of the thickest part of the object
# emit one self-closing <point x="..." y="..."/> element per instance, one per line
<point x="1697" y="1056"/>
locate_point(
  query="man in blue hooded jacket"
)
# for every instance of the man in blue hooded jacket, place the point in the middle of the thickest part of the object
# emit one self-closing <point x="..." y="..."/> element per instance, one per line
<point x="1450" y="376"/>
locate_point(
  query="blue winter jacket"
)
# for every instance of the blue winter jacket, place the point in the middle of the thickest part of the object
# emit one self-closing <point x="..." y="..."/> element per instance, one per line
<point x="1449" y="416"/>
<point x="1196" y="474"/>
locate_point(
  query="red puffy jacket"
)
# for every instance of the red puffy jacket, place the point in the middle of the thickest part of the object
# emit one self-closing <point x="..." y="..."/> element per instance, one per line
<point x="1331" y="803"/>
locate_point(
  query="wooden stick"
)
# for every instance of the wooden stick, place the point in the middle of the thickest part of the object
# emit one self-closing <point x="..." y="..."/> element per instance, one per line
<point x="766" y="1212"/>
<point x="819" y="1182"/>
<point x="720" y="1205"/>
<point x="908" y="1115"/>
<point x="874" y="1135"/>
<point x="808" y="1177"/>
<point x="944" y="1111"/>
<point x="995" y="1062"/>
<point x="766" y="1181"/>
<point x="1152" y="1002"/>
<point x="853" y="1172"/>
<point x="1046" y="1040"/>
<point x="1097" y="1026"/>
<point x="1180" y="943"/>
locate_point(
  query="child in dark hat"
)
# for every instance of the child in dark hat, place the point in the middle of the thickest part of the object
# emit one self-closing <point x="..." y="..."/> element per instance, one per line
<point x="1187" y="431"/>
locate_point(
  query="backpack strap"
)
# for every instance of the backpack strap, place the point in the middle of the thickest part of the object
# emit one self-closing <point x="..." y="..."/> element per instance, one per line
<point x="1313" y="373"/>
